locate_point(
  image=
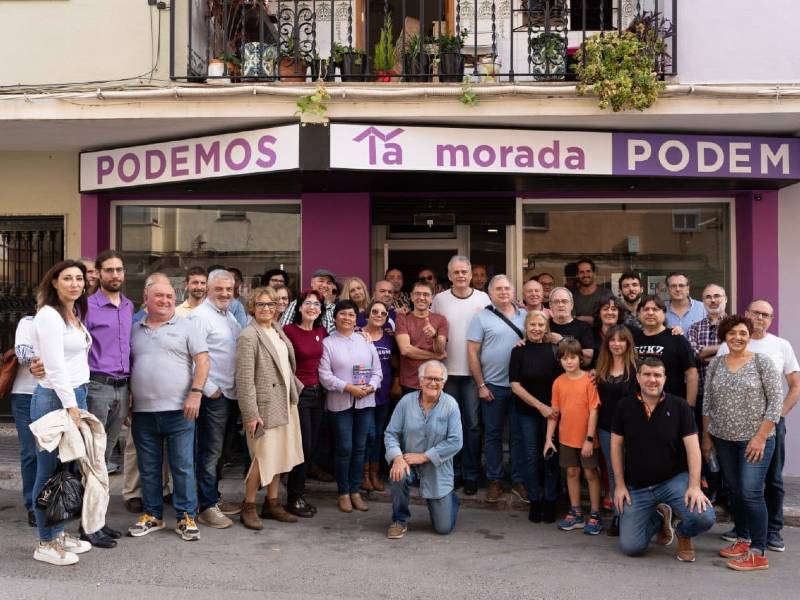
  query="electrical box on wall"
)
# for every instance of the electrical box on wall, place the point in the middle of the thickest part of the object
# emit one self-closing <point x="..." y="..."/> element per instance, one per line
<point x="633" y="244"/>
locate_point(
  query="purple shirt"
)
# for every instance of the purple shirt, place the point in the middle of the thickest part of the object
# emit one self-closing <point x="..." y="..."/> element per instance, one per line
<point x="110" y="327"/>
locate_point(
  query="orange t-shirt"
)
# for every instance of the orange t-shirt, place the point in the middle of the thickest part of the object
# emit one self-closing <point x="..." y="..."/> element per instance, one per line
<point x="575" y="399"/>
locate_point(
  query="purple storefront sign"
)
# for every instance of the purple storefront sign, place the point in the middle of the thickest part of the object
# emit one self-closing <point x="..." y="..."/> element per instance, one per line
<point x="668" y="155"/>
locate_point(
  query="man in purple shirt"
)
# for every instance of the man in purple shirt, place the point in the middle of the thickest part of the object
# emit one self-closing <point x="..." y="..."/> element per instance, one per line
<point x="109" y="320"/>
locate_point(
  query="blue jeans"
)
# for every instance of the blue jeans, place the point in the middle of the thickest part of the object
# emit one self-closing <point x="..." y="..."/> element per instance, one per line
<point x="21" y="409"/>
<point x="639" y="520"/>
<point x="350" y="432"/>
<point x="210" y="435"/>
<point x="538" y="470"/>
<point x="150" y="430"/>
<point x="773" y="491"/>
<point x="605" y="444"/>
<point x="442" y="511"/>
<point x="467" y="462"/>
<point x="375" y="433"/>
<point x="494" y="420"/>
<point x="746" y="484"/>
<point x="47" y="463"/>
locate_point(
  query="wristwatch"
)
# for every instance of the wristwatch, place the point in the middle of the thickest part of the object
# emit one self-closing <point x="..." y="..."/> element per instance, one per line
<point x="589" y="438"/>
<point x="196" y="390"/>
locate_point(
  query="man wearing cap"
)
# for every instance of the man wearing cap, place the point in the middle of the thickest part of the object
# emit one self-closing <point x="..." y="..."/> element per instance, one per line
<point x="322" y="281"/>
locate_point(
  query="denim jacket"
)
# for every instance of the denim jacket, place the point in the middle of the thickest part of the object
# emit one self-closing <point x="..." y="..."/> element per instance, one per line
<point x="437" y="435"/>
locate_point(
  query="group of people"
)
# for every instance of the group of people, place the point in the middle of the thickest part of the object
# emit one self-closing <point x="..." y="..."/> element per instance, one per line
<point x="651" y="396"/>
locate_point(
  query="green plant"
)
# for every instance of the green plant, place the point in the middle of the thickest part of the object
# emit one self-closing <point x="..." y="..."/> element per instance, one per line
<point x="229" y="58"/>
<point x="468" y="95"/>
<point x="621" y="67"/>
<point x="451" y="44"/>
<point x="311" y="108"/>
<point x="384" y="57"/>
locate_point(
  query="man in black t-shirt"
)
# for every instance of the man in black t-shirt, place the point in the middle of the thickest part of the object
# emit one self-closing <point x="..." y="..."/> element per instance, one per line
<point x="565" y="325"/>
<point x="654" y="340"/>
<point x="656" y="457"/>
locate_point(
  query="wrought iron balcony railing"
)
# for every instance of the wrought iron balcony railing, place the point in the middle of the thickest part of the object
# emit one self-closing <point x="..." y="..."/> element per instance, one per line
<point x="400" y="40"/>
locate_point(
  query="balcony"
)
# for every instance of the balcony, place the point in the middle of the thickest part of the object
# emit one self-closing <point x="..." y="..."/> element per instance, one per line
<point x="392" y="41"/>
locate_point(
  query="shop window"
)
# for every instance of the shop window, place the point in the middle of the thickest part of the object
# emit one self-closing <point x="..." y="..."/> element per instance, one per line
<point x="649" y="238"/>
<point x="536" y="220"/>
<point x="249" y="237"/>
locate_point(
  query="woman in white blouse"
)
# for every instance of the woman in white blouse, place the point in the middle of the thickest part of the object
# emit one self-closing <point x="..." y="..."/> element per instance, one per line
<point x="62" y="342"/>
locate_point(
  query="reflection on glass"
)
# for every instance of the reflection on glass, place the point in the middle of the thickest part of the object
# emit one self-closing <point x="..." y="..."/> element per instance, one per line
<point x="650" y="239"/>
<point x="170" y="239"/>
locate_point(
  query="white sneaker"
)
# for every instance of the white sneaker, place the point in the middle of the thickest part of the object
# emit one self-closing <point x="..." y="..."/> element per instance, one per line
<point x="213" y="517"/>
<point x="53" y="553"/>
<point x="73" y="544"/>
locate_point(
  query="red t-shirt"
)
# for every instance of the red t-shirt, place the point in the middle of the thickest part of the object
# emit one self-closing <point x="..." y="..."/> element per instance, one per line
<point x="408" y="323"/>
<point x="307" y="351"/>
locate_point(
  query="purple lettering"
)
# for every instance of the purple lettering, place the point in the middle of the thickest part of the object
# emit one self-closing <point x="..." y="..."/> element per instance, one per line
<point x="151" y="172"/>
<point x="488" y="150"/>
<point x="504" y="152"/>
<point x="237" y="166"/>
<point x="268" y="153"/>
<point x="134" y="160"/>
<point x="105" y="166"/>
<point x="179" y="160"/>
<point x="524" y="157"/>
<point x="393" y="154"/>
<point x="576" y="159"/>
<point x="451" y="150"/>
<point x="549" y="156"/>
<point x="205" y="157"/>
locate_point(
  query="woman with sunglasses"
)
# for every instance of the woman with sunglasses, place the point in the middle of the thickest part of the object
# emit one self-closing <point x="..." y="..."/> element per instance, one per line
<point x="268" y="396"/>
<point x="306" y="333"/>
<point x="383" y="339"/>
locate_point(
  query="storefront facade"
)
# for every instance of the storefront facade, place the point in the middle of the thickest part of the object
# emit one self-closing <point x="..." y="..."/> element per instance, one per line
<point x="358" y="198"/>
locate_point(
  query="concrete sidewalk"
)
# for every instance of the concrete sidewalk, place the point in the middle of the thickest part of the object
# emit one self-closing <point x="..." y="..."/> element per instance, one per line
<point x="233" y="485"/>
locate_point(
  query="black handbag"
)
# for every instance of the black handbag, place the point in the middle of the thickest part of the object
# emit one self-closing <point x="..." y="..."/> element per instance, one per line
<point x="61" y="498"/>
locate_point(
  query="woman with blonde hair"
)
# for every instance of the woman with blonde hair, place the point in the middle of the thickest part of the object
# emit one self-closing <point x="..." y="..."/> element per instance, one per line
<point x="532" y="370"/>
<point x="355" y="290"/>
<point x="268" y="395"/>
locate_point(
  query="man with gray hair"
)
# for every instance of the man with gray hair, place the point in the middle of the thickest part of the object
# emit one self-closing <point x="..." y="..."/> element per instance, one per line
<point x="564" y="325"/>
<point x="492" y="335"/>
<point x="459" y="305"/>
<point x="421" y="439"/>
<point x="220" y="330"/>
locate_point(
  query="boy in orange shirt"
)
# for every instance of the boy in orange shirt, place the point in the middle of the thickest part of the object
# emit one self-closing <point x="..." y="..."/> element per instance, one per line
<point x="576" y="401"/>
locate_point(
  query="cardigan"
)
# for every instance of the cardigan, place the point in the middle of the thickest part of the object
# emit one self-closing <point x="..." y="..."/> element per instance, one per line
<point x="259" y="383"/>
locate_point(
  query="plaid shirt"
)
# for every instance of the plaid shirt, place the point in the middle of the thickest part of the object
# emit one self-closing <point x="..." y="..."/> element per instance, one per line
<point x="702" y="334"/>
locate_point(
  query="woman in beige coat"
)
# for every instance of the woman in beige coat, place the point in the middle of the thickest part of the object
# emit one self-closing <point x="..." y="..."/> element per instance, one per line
<point x="268" y="393"/>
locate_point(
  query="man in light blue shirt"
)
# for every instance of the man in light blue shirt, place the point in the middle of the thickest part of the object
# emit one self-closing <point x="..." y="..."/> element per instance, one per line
<point x="491" y="336"/>
<point x="423" y="436"/>
<point x="682" y="310"/>
<point x="220" y="330"/>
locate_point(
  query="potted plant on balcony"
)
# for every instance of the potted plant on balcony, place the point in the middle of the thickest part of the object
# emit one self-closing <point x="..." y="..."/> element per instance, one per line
<point x="384" y="57"/>
<point x="225" y="19"/>
<point x="292" y="66"/>
<point x="352" y="62"/>
<point x="451" y="61"/>
<point x="416" y="59"/>
<point x="322" y="68"/>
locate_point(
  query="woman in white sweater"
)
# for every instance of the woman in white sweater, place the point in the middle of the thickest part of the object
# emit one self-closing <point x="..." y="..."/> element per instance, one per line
<point x="62" y="342"/>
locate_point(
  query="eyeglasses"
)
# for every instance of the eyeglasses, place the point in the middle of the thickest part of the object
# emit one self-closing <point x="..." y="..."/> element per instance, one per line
<point x="277" y="280"/>
<point x="433" y="379"/>
<point x="426" y="277"/>
<point x="760" y="315"/>
<point x="378" y="313"/>
<point x="269" y="305"/>
<point x="713" y="296"/>
<point x="112" y="270"/>
<point x="561" y="301"/>
<point x="421" y="294"/>
<point x="311" y="304"/>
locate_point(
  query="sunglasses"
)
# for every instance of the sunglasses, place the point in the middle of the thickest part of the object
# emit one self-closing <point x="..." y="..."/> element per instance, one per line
<point x="378" y="313"/>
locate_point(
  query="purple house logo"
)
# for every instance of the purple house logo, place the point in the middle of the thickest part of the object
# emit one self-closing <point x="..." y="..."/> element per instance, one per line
<point x="391" y="153"/>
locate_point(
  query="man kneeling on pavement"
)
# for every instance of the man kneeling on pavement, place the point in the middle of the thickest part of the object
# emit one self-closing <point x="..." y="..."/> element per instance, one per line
<point x="423" y="436"/>
<point x="656" y="457"/>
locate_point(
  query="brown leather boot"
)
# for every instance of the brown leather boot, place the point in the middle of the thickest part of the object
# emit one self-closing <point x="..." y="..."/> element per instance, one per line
<point x="273" y="510"/>
<point x="249" y="516"/>
<point x="366" y="484"/>
<point x="358" y="502"/>
<point x="375" y="476"/>
<point x="344" y="504"/>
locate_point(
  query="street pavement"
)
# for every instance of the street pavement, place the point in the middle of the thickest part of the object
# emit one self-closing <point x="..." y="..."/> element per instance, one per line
<point x="493" y="554"/>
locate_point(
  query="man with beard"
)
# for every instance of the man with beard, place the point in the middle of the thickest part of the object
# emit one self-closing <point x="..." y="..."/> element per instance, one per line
<point x="196" y="288"/>
<point x="109" y="321"/>
<point x="402" y="301"/>
<point x="630" y="290"/>
<point x="587" y="292"/>
<point x="702" y="335"/>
